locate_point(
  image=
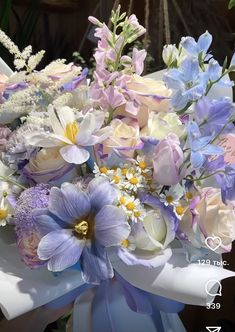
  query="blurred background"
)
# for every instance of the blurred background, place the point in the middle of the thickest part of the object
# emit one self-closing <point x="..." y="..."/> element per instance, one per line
<point x="62" y="29"/>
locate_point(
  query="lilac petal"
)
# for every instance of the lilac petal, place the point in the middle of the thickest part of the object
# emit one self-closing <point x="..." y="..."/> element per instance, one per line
<point x="77" y="202"/>
<point x="44" y="222"/>
<point x="74" y="155"/>
<point x="101" y="193"/>
<point x="54" y="242"/>
<point x="111" y="226"/>
<point x="95" y="264"/>
<point x="68" y="257"/>
<point x="57" y="205"/>
<point x="145" y="258"/>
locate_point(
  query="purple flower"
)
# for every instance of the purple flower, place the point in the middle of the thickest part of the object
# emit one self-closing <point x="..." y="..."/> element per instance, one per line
<point x="200" y="146"/>
<point x="212" y="116"/>
<point x="78" y="225"/>
<point x="188" y="83"/>
<point x="27" y="235"/>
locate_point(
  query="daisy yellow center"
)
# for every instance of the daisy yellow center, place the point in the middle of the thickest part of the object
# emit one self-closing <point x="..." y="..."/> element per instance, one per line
<point x="103" y="170"/>
<point x="124" y="171"/>
<point x="189" y="195"/>
<point x="71" y="131"/>
<point x="169" y="199"/>
<point x="142" y="165"/>
<point x="134" y="180"/>
<point x="125" y="243"/>
<point x="130" y="206"/>
<point x="3" y="213"/>
<point x="179" y="210"/>
<point x="116" y="179"/>
<point x="137" y="214"/>
<point x="81" y="228"/>
<point x="122" y="200"/>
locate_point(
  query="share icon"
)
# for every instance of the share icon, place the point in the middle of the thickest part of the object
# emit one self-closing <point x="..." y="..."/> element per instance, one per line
<point x="213" y="328"/>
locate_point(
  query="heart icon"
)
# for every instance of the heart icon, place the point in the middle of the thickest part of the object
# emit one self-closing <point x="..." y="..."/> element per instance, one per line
<point x="213" y="242"/>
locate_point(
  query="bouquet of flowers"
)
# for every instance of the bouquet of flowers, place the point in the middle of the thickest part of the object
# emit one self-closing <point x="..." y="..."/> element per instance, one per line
<point x="126" y="178"/>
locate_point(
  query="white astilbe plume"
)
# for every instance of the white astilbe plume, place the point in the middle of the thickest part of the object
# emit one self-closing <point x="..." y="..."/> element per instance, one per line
<point x="34" y="60"/>
<point x="24" y="59"/>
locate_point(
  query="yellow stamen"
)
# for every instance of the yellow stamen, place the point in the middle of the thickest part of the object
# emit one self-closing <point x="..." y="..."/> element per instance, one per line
<point x="179" y="210"/>
<point x="71" y="131"/>
<point x="116" y="179"/>
<point x="103" y="170"/>
<point x="134" y="180"/>
<point x="130" y="206"/>
<point x="137" y="214"/>
<point x="124" y="171"/>
<point x="142" y="165"/>
<point x="81" y="228"/>
<point x="125" y="243"/>
<point x="3" y="214"/>
<point x="122" y="200"/>
<point x="169" y="199"/>
<point x="189" y="195"/>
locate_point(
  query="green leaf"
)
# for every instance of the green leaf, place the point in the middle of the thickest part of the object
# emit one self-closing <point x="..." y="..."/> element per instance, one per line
<point x="231" y="4"/>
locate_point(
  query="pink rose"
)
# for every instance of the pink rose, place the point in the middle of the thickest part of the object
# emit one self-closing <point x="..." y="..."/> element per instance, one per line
<point x="27" y="246"/>
<point x="167" y="160"/>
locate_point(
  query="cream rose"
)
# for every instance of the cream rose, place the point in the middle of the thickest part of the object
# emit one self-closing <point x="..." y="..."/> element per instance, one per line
<point x="161" y="124"/>
<point x="125" y="137"/>
<point x="151" y="94"/>
<point x="208" y="216"/>
<point x="47" y="165"/>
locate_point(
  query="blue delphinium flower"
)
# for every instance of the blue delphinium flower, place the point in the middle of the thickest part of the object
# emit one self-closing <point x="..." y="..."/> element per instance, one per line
<point x="212" y="116"/>
<point x="200" y="47"/>
<point x="200" y="146"/>
<point x="188" y="83"/>
<point x="226" y="181"/>
<point x="78" y="225"/>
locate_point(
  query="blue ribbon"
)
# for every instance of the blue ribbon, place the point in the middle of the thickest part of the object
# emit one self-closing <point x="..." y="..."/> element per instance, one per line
<point x="107" y="296"/>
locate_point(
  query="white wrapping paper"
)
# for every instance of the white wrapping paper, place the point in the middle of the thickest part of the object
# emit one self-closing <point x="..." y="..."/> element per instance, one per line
<point x="177" y="279"/>
<point x="22" y="289"/>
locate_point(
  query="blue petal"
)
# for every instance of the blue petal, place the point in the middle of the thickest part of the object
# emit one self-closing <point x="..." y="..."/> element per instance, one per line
<point x="197" y="159"/>
<point x="195" y="92"/>
<point x="190" y="68"/>
<point x="214" y="70"/>
<point x="200" y="143"/>
<point x="111" y="226"/>
<point x="204" y="42"/>
<point x="179" y="101"/>
<point x="57" y="205"/>
<point x="57" y="242"/>
<point x="45" y="222"/>
<point x="173" y="79"/>
<point x="190" y="45"/>
<point x="95" y="264"/>
<point x="77" y="202"/>
<point x="212" y="150"/>
<point x="101" y="193"/>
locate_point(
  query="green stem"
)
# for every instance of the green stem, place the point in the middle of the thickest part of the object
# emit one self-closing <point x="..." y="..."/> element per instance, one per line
<point x="7" y="179"/>
<point x="204" y="177"/>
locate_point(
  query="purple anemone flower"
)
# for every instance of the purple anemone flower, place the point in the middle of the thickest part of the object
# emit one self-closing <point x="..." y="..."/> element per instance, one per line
<point x="78" y="225"/>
